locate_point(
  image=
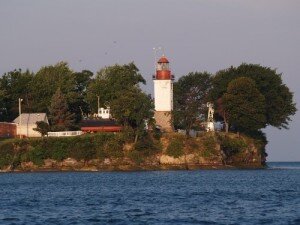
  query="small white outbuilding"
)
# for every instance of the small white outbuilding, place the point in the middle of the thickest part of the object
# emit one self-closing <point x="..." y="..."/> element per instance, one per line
<point x="27" y="122"/>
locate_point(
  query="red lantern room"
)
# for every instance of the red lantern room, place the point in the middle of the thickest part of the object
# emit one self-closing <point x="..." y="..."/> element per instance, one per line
<point x="163" y="71"/>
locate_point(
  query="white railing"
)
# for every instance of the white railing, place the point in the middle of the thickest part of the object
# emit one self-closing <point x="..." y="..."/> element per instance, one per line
<point x="65" y="133"/>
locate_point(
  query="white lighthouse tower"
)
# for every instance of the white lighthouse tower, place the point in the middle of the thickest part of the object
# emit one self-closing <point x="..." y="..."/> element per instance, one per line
<point x="163" y="94"/>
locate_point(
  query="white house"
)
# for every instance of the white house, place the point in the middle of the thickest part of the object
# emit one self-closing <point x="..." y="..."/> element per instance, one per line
<point x="104" y="113"/>
<point x="27" y="122"/>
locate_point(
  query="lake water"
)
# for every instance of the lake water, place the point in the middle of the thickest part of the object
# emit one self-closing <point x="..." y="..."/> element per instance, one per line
<point x="270" y="196"/>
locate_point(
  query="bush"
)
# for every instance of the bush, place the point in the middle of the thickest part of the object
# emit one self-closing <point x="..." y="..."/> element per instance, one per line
<point x="6" y="154"/>
<point x="232" y="146"/>
<point x="127" y="134"/>
<point x="59" y="154"/>
<point x="136" y="156"/>
<point x="157" y="133"/>
<point x="209" y="144"/>
<point x="144" y="148"/>
<point x="147" y="146"/>
<point x="36" y="155"/>
<point x="175" y="148"/>
<point x="83" y="149"/>
<point x="86" y="147"/>
<point x="113" y="148"/>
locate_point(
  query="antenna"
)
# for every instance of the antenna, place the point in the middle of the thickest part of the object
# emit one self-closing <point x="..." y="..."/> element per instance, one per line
<point x="106" y="104"/>
<point x="155" y="49"/>
<point x="163" y="51"/>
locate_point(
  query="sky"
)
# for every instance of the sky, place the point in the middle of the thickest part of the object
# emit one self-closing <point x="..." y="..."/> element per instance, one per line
<point x="196" y="35"/>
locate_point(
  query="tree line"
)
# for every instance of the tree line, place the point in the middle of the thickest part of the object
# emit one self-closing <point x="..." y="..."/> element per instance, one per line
<point x="246" y="98"/>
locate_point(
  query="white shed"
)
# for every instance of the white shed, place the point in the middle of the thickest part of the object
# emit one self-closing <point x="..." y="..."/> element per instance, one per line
<point x="27" y="123"/>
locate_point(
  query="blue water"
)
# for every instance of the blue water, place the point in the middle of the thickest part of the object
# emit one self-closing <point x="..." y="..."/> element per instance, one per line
<point x="270" y="196"/>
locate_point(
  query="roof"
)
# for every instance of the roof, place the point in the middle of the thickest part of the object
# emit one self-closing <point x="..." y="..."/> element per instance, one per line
<point x="31" y="118"/>
<point x="98" y="123"/>
<point x="163" y="59"/>
<point x="7" y="123"/>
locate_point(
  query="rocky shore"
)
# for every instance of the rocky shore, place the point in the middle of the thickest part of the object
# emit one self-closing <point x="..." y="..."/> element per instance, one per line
<point x="163" y="162"/>
<point x="111" y="153"/>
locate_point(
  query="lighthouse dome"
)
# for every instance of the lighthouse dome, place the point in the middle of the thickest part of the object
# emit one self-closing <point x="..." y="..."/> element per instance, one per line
<point x="163" y="59"/>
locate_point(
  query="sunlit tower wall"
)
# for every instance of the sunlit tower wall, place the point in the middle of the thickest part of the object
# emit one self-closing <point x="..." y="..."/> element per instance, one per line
<point x="163" y="95"/>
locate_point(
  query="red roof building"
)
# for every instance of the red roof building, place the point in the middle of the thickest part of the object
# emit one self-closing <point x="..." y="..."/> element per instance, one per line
<point x="102" y="125"/>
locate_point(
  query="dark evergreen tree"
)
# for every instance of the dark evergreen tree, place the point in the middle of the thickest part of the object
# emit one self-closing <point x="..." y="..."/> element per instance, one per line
<point x="60" y="116"/>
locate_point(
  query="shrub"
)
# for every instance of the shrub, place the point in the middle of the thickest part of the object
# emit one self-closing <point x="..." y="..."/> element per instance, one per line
<point x="83" y="149"/>
<point x="114" y="148"/>
<point x="157" y="133"/>
<point x="100" y="141"/>
<point x="37" y="155"/>
<point x="6" y="154"/>
<point x="232" y="146"/>
<point x="209" y="144"/>
<point x="136" y="156"/>
<point x="127" y="134"/>
<point x="147" y="146"/>
<point x="175" y="148"/>
<point x="59" y="154"/>
<point x="144" y="148"/>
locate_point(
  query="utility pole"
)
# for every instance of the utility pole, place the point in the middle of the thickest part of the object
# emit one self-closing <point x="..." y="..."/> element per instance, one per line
<point x="20" y="117"/>
<point x="98" y="97"/>
<point x="155" y="50"/>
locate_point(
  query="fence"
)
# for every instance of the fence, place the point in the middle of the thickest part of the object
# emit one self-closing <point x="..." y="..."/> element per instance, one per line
<point x="65" y="133"/>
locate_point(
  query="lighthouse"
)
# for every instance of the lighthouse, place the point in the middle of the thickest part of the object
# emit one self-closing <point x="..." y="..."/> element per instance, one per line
<point x="163" y="95"/>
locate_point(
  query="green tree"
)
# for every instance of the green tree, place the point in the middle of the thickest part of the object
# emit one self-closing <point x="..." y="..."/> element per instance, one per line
<point x="47" y="80"/>
<point x="279" y="104"/>
<point x="14" y="85"/>
<point x="111" y="80"/>
<point x="3" y="110"/>
<point x="245" y="105"/>
<point x="72" y="84"/>
<point x="190" y="98"/>
<point x="60" y="116"/>
<point x="42" y="127"/>
<point x="132" y="108"/>
<point x="77" y="97"/>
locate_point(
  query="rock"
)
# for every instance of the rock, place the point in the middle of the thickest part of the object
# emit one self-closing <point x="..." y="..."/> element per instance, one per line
<point x="28" y="166"/>
<point x="107" y="161"/>
<point x="6" y="169"/>
<point x="49" y="163"/>
<point x="192" y="159"/>
<point x="70" y="162"/>
<point x="165" y="159"/>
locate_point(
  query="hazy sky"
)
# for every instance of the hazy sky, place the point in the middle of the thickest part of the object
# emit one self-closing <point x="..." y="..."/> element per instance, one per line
<point x="196" y="35"/>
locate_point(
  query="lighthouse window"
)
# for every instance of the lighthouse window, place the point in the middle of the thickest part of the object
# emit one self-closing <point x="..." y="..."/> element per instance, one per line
<point x="164" y="66"/>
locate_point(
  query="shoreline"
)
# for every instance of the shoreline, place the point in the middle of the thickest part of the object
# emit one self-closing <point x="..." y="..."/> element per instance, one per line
<point x="106" y="152"/>
<point x="132" y="168"/>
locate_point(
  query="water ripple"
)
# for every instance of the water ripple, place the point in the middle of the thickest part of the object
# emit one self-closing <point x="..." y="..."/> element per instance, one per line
<point x="160" y="197"/>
